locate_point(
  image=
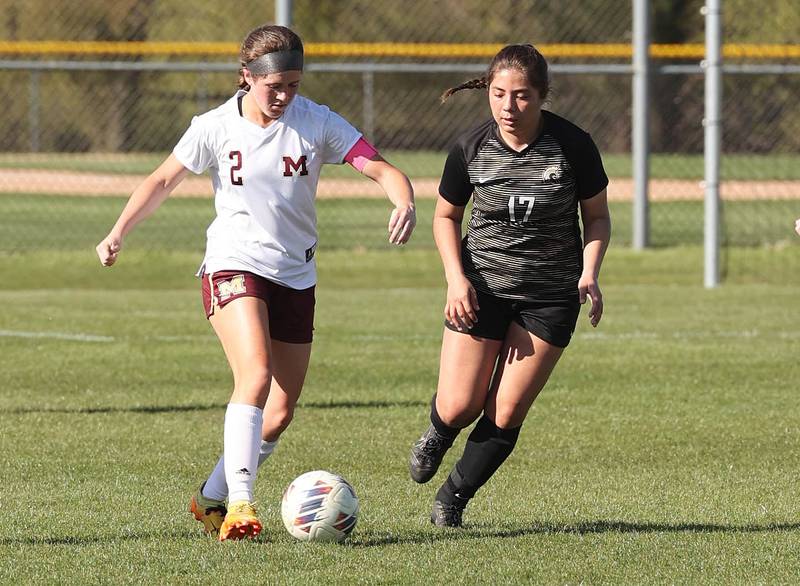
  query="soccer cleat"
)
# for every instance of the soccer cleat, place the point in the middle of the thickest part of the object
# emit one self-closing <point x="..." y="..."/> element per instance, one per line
<point x="240" y="522"/>
<point x="210" y="512"/>
<point x="447" y="514"/>
<point x="427" y="453"/>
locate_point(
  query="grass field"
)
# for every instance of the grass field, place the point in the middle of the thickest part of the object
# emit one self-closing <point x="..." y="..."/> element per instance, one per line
<point x="29" y="222"/>
<point x="430" y="164"/>
<point x="664" y="449"/>
<point x="759" y="243"/>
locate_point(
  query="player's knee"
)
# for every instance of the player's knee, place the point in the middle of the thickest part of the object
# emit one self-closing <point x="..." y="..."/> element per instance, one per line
<point x="279" y="420"/>
<point x="508" y="416"/>
<point x="456" y="412"/>
<point x="253" y="386"/>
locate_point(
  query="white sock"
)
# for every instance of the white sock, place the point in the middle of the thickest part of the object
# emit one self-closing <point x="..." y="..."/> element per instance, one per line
<point x="242" y="439"/>
<point x="266" y="451"/>
<point x="216" y="488"/>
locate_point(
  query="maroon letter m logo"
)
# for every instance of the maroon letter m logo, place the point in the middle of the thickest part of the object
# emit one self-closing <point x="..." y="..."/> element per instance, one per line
<point x="289" y="165"/>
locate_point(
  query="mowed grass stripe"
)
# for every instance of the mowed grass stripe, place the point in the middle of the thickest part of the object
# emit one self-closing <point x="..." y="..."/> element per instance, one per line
<point x="426" y="163"/>
<point x="74" y="223"/>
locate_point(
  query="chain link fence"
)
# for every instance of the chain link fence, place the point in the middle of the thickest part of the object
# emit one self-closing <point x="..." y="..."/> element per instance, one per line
<point x="83" y="127"/>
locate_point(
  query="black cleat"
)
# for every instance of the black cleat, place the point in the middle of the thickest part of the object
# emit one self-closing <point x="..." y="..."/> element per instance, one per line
<point x="447" y="514"/>
<point x="427" y="453"/>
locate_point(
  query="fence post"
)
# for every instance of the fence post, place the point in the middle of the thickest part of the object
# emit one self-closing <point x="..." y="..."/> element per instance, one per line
<point x="33" y="111"/>
<point x="202" y="91"/>
<point x="368" y="106"/>
<point x="640" y="127"/>
<point x="283" y="12"/>
<point x="712" y="123"/>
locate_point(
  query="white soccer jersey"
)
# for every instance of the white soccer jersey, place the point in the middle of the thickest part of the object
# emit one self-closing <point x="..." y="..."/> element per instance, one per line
<point x="265" y="183"/>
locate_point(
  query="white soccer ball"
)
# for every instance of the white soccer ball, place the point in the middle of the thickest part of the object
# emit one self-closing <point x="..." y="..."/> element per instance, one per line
<point x="319" y="506"/>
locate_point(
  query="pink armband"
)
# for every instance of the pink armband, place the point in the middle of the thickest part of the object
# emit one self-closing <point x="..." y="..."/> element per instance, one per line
<point x="361" y="152"/>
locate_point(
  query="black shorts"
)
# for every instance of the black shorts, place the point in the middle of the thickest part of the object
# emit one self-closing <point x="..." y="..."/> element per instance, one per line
<point x="552" y="321"/>
<point x="291" y="311"/>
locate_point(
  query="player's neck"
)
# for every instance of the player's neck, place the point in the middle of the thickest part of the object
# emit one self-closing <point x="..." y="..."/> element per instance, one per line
<point x="520" y="139"/>
<point x="251" y="112"/>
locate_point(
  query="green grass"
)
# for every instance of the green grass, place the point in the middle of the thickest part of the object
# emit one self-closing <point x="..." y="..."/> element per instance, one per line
<point x="758" y="236"/>
<point x="663" y="450"/>
<point x="430" y="164"/>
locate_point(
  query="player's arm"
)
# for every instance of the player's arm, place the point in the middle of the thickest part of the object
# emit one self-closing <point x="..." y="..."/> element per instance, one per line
<point x="462" y="302"/>
<point x="145" y="199"/>
<point x="596" y="235"/>
<point x="364" y="158"/>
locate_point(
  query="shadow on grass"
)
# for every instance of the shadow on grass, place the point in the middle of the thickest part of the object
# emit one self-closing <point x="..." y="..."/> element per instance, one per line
<point x="584" y="528"/>
<point x="81" y="541"/>
<point x="427" y="537"/>
<point x="189" y="536"/>
<point x="103" y="410"/>
<point x="207" y="407"/>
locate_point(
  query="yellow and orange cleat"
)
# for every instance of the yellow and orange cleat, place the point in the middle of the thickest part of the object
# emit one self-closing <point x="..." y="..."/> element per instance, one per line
<point x="241" y="522"/>
<point x="210" y="512"/>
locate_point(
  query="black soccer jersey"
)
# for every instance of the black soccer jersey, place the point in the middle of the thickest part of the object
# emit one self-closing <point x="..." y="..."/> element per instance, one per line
<point x="523" y="240"/>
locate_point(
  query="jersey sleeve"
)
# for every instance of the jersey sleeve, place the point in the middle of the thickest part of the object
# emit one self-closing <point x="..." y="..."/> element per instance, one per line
<point x="455" y="185"/>
<point x="193" y="150"/>
<point x="339" y="137"/>
<point x="590" y="176"/>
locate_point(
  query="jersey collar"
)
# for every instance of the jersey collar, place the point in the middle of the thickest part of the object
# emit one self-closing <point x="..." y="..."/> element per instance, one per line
<point x="252" y="126"/>
<point x="542" y="132"/>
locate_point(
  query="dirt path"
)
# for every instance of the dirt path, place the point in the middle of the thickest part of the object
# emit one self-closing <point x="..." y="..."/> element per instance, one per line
<point x="98" y="184"/>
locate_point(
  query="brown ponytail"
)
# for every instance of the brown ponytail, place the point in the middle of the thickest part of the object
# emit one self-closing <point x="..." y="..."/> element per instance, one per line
<point x="473" y="84"/>
<point x="524" y="58"/>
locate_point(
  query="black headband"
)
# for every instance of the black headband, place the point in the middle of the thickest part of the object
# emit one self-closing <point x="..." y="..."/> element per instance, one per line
<point x="276" y="62"/>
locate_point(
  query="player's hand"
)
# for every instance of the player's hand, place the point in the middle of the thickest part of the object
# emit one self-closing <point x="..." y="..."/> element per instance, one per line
<point x="588" y="288"/>
<point x="462" y="304"/>
<point x="797" y="226"/>
<point x="402" y="223"/>
<point x="108" y="250"/>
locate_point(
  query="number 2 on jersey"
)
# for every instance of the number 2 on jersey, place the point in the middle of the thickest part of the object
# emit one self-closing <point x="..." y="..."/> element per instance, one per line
<point x="524" y="200"/>
<point x="236" y="156"/>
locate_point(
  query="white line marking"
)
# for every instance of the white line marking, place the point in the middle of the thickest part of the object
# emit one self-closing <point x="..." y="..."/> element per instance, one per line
<point x="56" y="336"/>
<point x="185" y="338"/>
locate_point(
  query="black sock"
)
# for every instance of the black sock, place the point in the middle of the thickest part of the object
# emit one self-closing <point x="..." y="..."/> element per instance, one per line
<point x="487" y="448"/>
<point x="440" y="426"/>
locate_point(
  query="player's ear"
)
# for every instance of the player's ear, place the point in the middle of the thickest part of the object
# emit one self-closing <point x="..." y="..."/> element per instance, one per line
<point x="248" y="77"/>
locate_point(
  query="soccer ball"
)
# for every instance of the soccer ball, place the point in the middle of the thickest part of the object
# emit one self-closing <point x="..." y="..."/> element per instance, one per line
<point x="319" y="506"/>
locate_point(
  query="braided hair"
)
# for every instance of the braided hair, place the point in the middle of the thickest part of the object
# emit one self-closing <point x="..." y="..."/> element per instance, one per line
<point x="473" y="84"/>
<point x="525" y="58"/>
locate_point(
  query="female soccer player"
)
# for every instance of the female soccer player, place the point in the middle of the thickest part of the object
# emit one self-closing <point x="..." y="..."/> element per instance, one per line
<point x="264" y="148"/>
<point x="516" y="281"/>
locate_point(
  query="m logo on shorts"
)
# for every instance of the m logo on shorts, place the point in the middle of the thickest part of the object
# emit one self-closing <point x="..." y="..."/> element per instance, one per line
<point x="231" y="287"/>
<point x="290" y="165"/>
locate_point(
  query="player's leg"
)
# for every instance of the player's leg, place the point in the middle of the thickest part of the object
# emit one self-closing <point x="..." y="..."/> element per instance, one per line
<point x="465" y="371"/>
<point x="291" y="324"/>
<point x="466" y="364"/>
<point x="289" y="367"/>
<point x="525" y="364"/>
<point x="242" y="327"/>
<point x="292" y="327"/>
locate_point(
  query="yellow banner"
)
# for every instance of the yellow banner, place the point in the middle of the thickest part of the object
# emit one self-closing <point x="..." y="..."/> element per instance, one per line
<point x="417" y="50"/>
